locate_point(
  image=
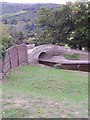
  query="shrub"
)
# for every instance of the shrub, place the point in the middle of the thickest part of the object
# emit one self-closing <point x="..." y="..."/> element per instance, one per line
<point x="57" y="66"/>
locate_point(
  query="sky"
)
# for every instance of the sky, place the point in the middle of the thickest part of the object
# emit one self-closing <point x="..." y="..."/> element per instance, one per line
<point x="38" y="1"/>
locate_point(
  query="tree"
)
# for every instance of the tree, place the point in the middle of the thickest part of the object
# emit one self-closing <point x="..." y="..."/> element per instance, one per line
<point x="5" y="41"/>
<point x="79" y="37"/>
<point x="19" y="32"/>
<point x="55" y="23"/>
<point x="6" y="38"/>
<point x="66" y="25"/>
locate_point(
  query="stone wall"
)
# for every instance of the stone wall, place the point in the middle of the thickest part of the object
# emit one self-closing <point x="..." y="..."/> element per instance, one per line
<point x="72" y="66"/>
<point x="60" y="50"/>
<point x="15" y="56"/>
<point x="22" y="54"/>
<point x="69" y="66"/>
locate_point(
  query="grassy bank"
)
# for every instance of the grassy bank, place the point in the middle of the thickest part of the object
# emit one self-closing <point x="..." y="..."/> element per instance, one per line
<point x="44" y="92"/>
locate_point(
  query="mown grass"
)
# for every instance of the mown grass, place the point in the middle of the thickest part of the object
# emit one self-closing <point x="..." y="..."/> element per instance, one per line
<point x="32" y="91"/>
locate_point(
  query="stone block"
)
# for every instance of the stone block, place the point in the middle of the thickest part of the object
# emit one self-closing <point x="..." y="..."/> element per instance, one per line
<point x="13" y="54"/>
<point x="22" y="54"/>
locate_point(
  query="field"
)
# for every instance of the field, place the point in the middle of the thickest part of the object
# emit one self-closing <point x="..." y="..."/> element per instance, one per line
<point x="35" y="91"/>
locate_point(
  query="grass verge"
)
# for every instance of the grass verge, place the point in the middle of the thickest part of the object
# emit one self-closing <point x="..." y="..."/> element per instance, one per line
<point x="32" y="91"/>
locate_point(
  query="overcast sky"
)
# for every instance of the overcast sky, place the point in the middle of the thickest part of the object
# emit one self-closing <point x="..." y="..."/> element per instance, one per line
<point x="37" y="1"/>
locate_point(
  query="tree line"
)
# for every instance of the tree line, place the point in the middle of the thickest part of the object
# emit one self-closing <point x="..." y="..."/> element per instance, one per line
<point x="65" y="25"/>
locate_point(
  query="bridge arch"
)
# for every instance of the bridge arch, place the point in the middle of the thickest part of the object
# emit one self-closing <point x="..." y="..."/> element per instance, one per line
<point x="39" y="52"/>
<point x="43" y="55"/>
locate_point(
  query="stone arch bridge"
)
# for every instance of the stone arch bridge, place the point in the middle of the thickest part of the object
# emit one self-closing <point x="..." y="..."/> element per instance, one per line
<point x="50" y="52"/>
<point x="39" y="52"/>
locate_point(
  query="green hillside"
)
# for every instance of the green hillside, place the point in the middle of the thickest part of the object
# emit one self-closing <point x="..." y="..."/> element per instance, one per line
<point x="12" y="12"/>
